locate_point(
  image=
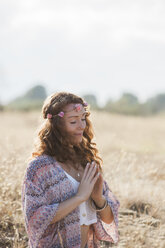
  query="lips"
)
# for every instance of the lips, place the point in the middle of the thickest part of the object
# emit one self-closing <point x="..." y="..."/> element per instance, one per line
<point x="78" y="134"/>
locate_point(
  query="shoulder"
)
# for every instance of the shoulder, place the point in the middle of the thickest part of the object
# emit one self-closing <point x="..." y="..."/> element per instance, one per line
<point x="37" y="164"/>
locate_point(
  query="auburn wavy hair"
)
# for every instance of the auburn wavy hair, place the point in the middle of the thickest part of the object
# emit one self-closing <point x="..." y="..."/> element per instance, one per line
<point x="53" y="140"/>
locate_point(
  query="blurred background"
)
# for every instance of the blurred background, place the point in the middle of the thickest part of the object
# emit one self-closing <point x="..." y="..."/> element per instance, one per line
<point x="112" y="53"/>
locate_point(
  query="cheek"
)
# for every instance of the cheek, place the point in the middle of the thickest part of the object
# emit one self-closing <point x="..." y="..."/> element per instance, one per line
<point x="85" y="124"/>
<point x="70" y="128"/>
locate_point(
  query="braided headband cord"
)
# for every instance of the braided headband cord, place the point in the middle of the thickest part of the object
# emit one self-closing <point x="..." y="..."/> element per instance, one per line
<point x="77" y="107"/>
<point x="50" y="116"/>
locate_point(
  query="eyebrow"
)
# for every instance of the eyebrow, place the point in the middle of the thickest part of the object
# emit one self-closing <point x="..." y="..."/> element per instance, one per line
<point x="76" y="115"/>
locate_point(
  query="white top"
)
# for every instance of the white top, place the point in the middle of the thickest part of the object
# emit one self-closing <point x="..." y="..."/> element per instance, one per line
<point x="87" y="214"/>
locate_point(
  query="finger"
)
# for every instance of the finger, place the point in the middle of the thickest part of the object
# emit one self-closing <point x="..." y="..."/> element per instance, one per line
<point x="85" y="171"/>
<point x="91" y="171"/>
<point x="94" y="179"/>
<point x="97" y="168"/>
<point x="92" y="174"/>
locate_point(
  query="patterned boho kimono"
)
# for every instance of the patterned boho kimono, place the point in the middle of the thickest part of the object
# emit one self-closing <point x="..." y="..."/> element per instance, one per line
<point x="45" y="185"/>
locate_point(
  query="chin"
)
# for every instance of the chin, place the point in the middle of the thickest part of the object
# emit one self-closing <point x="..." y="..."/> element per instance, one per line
<point x="77" y="142"/>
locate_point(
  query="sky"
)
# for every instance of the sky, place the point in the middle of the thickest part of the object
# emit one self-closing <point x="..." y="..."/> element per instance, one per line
<point x="101" y="47"/>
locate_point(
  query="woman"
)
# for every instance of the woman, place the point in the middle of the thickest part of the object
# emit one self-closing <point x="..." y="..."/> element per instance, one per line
<point x="66" y="201"/>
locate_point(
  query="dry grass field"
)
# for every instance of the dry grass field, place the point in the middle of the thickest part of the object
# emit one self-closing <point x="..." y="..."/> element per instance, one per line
<point x="133" y="151"/>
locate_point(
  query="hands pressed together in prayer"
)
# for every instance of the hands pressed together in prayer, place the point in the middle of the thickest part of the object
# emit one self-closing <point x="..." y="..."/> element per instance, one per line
<point x="91" y="184"/>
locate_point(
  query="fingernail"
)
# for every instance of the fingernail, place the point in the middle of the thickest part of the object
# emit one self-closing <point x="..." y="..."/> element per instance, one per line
<point x="98" y="173"/>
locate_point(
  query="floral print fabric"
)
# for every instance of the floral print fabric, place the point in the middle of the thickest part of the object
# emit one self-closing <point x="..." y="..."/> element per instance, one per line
<point x="45" y="185"/>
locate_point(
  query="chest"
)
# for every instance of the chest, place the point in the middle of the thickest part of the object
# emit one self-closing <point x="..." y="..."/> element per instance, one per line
<point x="75" y="172"/>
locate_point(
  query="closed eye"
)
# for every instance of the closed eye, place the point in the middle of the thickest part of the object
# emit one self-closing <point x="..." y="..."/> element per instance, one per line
<point x="74" y="122"/>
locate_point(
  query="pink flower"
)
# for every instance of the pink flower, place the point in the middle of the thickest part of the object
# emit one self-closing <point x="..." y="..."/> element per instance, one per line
<point x="78" y="106"/>
<point x="49" y="116"/>
<point x="61" y="114"/>
<point x="85" y="104"/>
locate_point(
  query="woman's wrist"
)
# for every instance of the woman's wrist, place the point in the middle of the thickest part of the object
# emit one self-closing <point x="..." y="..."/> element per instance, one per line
<point x="79" y="198"/>
<point x="102" y="204"/>
<point x="99" y="202"/>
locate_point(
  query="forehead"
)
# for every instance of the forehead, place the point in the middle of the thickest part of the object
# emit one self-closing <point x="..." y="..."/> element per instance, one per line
<point x="71" y="111"/>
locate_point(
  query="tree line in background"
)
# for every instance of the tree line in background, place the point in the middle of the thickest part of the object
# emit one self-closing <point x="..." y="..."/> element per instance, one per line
<point x="127" y="104"/>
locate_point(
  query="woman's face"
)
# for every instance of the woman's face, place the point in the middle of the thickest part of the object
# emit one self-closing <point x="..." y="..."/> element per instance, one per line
<point x="75" y="122"/>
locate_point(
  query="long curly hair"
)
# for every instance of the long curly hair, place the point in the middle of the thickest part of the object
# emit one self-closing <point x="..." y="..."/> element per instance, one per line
<point x="53" y="140"/>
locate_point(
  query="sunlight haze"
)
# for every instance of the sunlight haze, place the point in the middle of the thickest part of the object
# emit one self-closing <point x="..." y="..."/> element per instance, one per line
<point x="100" y="47"/>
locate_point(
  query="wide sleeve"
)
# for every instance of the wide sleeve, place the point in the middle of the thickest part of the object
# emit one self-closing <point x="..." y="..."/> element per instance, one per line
<point x="37" y="211"/>
<point x="108" y="232"/>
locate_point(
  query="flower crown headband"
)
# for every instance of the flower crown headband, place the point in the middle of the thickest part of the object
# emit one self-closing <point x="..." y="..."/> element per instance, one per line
<point x="77" y="107"/>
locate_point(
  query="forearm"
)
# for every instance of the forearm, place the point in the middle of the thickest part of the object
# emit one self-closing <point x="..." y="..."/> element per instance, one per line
<point x="106" y="214"/>
<point x="66" y="207"/>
